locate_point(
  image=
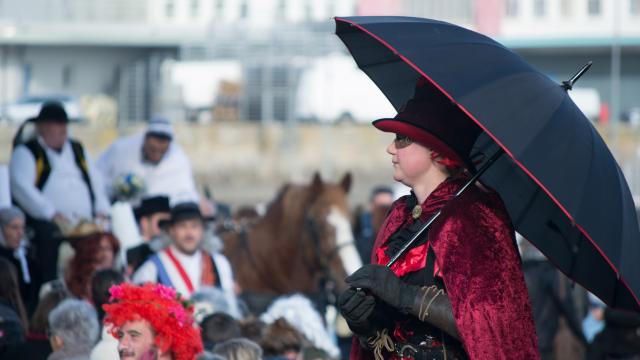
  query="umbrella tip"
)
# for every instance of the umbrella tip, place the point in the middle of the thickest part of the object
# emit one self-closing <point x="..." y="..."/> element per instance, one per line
<point x="568" y="84"/>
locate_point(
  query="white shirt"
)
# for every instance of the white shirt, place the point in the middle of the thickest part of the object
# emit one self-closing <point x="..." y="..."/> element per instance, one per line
<point x="172" y="176"/>
<point x="192" y="265"/>
<point x="106" y="348"/>
<point x="65" y="190"/>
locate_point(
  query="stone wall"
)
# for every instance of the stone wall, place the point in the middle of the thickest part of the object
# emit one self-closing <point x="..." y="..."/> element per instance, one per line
<point x="245" y="163"/>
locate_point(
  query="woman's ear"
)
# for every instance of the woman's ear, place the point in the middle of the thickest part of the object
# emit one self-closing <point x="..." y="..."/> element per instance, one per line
<point x="56" y="342"/>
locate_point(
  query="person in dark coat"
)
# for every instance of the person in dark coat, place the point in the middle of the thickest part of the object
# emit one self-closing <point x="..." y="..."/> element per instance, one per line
<point x="151" y="211"/>
<point x="380" y="201"/>
<point x="458" y="292"/>
<point x="14" y="248"/>
<point x="620" y="338"/>
<point x="13" y="318"/>
<point x="37" y="345"/>
<point x="545" y="288"/>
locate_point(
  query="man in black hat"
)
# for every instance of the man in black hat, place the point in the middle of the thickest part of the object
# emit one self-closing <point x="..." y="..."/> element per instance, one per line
<point x="54" y="182"/>
<point x="149" y="214"/>
<point x="183" y="264"/>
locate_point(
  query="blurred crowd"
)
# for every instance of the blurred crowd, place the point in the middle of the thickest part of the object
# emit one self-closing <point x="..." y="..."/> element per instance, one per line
<point x="76" y="228"/>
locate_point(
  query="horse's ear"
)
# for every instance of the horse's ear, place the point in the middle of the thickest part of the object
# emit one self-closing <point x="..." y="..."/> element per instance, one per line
<point x="283" y="189"/>
<point x="345" y="183"/>
<point x="316" y="184"/>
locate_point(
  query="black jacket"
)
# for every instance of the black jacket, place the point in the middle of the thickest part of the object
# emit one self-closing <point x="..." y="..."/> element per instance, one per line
<point x="548" y="306"/>
<point x="29" y="292"/>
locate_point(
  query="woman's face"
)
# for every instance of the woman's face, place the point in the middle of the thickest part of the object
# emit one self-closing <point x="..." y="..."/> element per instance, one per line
<point x="13" y="233"/>
<point x="104" y="254"/>
<point x="411" y="161"/>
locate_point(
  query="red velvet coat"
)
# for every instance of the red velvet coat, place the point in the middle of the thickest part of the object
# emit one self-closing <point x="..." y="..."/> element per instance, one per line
<point x="476" y="255"/>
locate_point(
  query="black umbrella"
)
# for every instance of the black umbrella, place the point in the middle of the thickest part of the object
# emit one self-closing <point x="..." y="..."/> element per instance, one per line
<point x="562" y="187"/>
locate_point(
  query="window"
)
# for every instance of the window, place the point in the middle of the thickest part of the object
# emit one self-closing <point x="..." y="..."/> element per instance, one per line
<point x="331" y="8"/>
<point x="169" y="8"/>
<point x="67" y="76"/>
<point x="254" y="108"/>
<point x="244" y="9"/>
<point x="593" y="7"/>
<point x="308" y="11"/>
<point x="281" y="9"/>
<point x="634" y="7"/>
<point x="539" y="8"/>
<point x="26" y="79"/>
<point x="195" y="8"/>
<point x="280" y="77"/>
<point x="280" y="107"/>
<point x="511" y="8"/>
<point x="566" y="8"/>
<point x="219" y="9"/>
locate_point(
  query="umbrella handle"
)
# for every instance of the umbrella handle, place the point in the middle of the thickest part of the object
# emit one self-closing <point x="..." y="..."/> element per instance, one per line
<point x="435" y="216"/>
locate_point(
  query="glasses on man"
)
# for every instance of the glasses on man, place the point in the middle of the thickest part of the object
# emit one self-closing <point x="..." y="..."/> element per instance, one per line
<point x="402" y="141"/>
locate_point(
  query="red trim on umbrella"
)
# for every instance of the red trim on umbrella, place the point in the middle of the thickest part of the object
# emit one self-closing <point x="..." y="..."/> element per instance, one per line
<point x="506" y="150"/>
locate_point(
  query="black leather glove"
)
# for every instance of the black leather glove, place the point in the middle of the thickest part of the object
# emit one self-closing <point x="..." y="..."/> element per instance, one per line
<point x="385" y="285"/>
<point x="356" y="307"/>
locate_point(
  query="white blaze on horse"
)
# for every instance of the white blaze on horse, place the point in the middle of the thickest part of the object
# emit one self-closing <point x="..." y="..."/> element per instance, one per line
<point x="303" y="244"/>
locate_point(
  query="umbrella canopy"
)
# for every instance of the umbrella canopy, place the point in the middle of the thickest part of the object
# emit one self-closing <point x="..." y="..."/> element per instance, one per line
<point x="562" y="187"/>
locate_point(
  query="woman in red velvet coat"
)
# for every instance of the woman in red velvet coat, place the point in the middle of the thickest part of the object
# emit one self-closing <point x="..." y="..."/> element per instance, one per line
<point x="459" y="292"/>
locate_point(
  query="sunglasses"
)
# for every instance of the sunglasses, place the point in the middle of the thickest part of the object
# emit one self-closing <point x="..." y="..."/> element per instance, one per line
<point x="402" y="141"/>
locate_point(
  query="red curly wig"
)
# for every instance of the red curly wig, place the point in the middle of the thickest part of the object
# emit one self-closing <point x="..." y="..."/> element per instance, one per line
<point x="170" y="316"/>
<point x="85" y="262"/>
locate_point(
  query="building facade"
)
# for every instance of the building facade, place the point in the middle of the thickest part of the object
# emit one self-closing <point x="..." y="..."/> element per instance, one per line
<point x="119" y="48"/>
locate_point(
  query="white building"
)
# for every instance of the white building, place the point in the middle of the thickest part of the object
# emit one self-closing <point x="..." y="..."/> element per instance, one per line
<point x="570" y="19"/>
<point x="556" y="36"/>
<point x="117" y="47"/>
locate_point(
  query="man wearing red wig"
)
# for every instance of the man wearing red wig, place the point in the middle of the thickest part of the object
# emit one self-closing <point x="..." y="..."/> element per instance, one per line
<point x="152" y="321"/>
<point x="459" y="291"/>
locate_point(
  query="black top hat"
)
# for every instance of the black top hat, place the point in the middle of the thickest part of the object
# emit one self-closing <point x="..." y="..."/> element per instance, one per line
<point x="52" y="111"/>
<point x="152" y="205"/>
<point x="184" y="211"/>
<point x="432" y="120"/>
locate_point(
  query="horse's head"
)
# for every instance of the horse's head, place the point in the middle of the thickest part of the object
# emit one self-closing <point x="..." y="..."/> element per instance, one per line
<point x="328" y="224"/>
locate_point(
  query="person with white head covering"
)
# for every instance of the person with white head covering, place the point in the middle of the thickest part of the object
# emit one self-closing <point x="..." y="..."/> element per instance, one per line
<point x="151" y="160"/>
<point x="13" y="247"/>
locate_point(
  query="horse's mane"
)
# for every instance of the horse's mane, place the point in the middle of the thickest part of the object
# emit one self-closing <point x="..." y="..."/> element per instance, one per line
<point x="284" y="204"/>
<point x="279" y="252"/>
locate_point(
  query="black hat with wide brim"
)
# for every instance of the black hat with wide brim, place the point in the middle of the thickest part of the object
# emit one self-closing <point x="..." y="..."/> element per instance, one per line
<point x="52" y="111"/>
<point x="184" y="211"/>
<point x="434" y="121"/>
<point x="152" y="205"/>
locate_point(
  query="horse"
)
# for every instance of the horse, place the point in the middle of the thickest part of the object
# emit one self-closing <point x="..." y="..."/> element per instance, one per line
<point x="303" y="244"/>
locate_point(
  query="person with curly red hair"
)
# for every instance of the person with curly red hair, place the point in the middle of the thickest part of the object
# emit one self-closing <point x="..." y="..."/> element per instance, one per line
<point x="95" y="250"/>
<point x="152" y="321"/>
